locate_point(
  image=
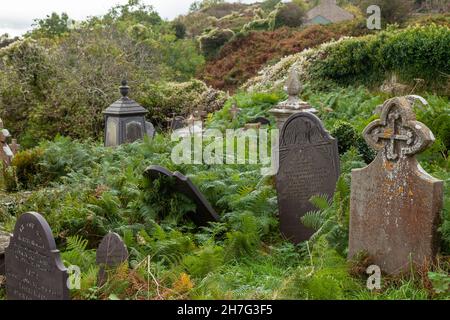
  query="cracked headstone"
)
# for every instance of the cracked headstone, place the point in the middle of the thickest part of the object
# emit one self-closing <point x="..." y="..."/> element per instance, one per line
<point x="395" y="204"/>
<point x="309" y="166"/>
<point x="204" y="212"/>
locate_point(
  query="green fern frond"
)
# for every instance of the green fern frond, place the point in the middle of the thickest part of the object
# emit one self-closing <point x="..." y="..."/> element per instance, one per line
<point x="321" y="202"/>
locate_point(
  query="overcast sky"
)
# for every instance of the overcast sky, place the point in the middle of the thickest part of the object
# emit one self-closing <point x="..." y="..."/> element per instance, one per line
<point x="16" y="16"/>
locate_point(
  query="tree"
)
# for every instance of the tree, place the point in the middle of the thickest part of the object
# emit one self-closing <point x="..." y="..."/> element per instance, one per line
<point x="180" y="29"/>
<point x="392" y="11"/>
<point x="289" y="15"/>
<point x="52" y="26"/>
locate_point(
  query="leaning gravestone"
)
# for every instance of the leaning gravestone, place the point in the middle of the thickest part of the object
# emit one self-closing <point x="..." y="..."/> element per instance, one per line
<point x="309" y="166"/>
<point x="204" y="212"/>
<point x="110" y="254"/>
<point x="34" y="270"/>
<point x="395" y="204"/>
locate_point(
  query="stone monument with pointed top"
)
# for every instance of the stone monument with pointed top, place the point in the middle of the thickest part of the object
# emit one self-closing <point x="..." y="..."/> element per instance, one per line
<point x="293" y="104"/>
<point x="395" y="204"/>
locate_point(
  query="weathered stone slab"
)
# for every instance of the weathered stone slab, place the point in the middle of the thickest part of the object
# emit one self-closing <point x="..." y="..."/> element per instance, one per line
<point x="204" y="211"/>
<point x="34" y="270"/>
<point x="309" y="166"/>
<point x="4" y="242"/>
<point x="395" y="204"/>
<point x="111" y="253"/>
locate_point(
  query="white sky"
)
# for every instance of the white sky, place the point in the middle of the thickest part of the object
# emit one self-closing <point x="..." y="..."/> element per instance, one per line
<point x="16" y="16"/>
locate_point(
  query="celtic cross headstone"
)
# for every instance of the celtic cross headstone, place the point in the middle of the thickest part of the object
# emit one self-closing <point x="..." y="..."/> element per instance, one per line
<point x="395" y="204"/>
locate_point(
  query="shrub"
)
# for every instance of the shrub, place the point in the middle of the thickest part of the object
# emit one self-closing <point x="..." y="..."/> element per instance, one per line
<point x="165" y="98"/>
<point x="180" y="29"/>
<point x="289" y="15"/>
<point x="345" y="135"/>
<point x="392" y="11"/>
<point x="28" y="168"/>
<point x="211" y="42"/>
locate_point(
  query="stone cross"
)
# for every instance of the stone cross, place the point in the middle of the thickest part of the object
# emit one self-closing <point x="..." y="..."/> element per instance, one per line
<point x="293" y="104"/>
<point x="395" y="204"/>
<point x="34" y="270"/>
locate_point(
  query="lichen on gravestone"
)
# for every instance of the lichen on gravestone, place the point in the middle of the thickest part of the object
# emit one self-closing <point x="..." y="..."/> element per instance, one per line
<point x="395" y="204"/>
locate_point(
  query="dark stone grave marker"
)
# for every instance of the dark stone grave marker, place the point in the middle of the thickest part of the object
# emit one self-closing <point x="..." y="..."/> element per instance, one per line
<point x="204" y="211"/>
<point x="309" y="166"/>
<point x="34" y="270"/>
<point x="110" y="254"/>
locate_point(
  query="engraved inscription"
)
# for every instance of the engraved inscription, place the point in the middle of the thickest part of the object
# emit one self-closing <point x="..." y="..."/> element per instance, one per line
<point x="309" y="166"/>
<point x="34" y="270"/>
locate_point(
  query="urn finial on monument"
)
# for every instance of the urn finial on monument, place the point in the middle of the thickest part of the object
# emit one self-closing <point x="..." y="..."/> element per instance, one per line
<point x="124" y="88"/>
<point x="395" y="203"/>
<point x="293" y="104"/>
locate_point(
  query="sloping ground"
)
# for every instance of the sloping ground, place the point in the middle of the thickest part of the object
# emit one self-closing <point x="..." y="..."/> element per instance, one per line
<point x="241" y="59"/>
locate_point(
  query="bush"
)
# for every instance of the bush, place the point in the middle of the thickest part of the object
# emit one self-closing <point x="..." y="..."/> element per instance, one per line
<point x="345" y="135"/>
<point x="289" y="15"/>
<point x="211" y="42"/>
<point x="163" y="99"/>
<point x="180" y="29"/>
<point x="392" y="11"/>
<point x="27" y="167"/>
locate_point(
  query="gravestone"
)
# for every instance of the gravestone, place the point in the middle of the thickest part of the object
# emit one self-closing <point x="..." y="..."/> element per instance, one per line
<point x="4" y="241"/>
<point x="177" y="123"/>
<point x="395" y="204"/>
<point x="309" y="166"/>
<point x="261" y="120"/>
<point x="204" y="212"/>
<point x="111" y="253"/>
<point x="34" y="270"/>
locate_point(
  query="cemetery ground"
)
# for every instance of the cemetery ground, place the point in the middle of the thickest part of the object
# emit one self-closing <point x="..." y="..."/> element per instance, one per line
<point x="118" y="218"/>
<point x="85" y="190"/>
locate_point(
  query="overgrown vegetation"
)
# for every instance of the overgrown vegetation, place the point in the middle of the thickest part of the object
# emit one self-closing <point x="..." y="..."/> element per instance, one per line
<point x="55" y="83"/>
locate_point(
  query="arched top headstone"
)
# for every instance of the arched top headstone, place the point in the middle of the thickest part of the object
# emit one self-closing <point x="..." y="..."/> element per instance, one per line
<point x="112" y="250"/>
<point x="304" y="128"/>
<point x="111" y="253"/>
<point x="204" y="211"/>
<point x="309" y="166"/>
<point x="34" y="269"/>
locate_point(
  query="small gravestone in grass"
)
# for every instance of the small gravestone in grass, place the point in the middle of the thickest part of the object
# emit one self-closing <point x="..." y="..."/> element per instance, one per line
<point x="4" y="241"/>
<point x="309" y="166"/>
<point x="34" y="270"/>
<point x="111" y="253"/>
<point x="395" y="204"/>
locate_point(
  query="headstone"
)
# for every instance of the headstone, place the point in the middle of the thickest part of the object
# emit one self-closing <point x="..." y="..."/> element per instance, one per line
<point x="111" y="253"/>
<point x="204" y="211"/>
<point x="150" y="129"/>
<point x="309" y="166"/>
<point x="4" y="242"/>
<point x="395" y="204"/>
<point x="293" y="104"/>
<point x="34" y="270"/>
<point x="177" y="123"/>
<point x="261" y="120"/>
